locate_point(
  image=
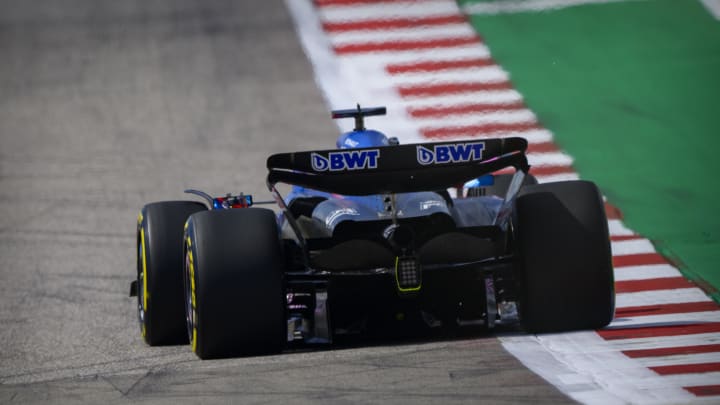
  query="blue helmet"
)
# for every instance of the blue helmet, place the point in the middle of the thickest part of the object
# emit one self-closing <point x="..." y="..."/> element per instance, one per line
<point x="364" y="138"/>
<point x="360" y="137"/>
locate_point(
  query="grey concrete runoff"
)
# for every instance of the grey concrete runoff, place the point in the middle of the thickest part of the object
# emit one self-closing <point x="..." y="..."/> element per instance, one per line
<point x="106" y="105"/>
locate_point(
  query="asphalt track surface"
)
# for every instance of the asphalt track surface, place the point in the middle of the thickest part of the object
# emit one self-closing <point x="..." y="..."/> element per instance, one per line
<point x="108" y="105"/>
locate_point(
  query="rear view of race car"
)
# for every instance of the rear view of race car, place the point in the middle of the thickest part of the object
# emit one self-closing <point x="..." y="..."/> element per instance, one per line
<point x="369" y="236"/>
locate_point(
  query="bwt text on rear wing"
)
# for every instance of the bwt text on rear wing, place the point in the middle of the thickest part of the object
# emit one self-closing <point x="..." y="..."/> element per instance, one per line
<point x="396" y="169"/>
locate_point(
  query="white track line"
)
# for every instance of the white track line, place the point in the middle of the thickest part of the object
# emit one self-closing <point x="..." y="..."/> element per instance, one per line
<point x="532" y="136"/>
<point x="665" y="319"/>
<point x="581" y="365"/>
<point x="495" y="96"/>
<point x="410" y="9"/>
<point x="630" y="247"/>
<point x="499" y="117"/>
<point x="380" y="79"/>
<point x="557" y="177"/>
<point x="430" y="33"/>
<point x="646" y="343"/>
<point x="645" y="272"/>
<point x="549" y="159"/>
<point x="618" y="228"/>
<point x="677" y="296"/>
<point x="713" y="6"/>
<point x="417" y="55"/>
<point x="680" y="359"/>
<point x="657" y="342"/>
<point x="487" y="74"/>
<point x="473" y="51"/>
<point x="683" y="380"/>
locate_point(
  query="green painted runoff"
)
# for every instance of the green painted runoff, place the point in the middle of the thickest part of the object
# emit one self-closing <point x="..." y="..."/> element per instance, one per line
<point x="631" y="90"/>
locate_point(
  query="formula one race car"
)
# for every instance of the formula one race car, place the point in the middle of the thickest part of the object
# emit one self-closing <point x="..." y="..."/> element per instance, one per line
<point x="370" y="234"/>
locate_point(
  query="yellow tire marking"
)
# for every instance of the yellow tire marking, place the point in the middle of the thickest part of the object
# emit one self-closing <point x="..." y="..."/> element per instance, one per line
<point x="145" y="272"/>
<point x="194" y="340"/>
<point x="191" y="269"/>
<point x="192" y="275"/>
<point x="140" y="218"/>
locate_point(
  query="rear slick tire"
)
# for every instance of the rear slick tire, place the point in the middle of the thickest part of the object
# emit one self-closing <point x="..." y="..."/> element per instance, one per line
<point x="563" y="261"/>
<point x="234" y="288"/>
<point x="160" y="270"/>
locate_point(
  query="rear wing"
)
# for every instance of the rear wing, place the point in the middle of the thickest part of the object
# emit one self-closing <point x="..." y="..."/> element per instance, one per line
<point x="396" y="169"/>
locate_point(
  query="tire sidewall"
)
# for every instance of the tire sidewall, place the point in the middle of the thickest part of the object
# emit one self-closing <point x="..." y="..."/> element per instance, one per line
<point x="238" y="283"/>
<point x="563" y="260"/>
<point x="160" y="229"/>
